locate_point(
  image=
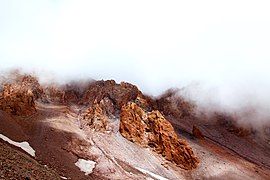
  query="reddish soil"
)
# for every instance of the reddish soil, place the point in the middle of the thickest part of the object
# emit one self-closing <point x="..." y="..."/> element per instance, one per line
<point x="15" y="164"/>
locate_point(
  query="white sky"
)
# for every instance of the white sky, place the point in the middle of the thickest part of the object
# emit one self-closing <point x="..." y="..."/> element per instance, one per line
<point x="223" y="45"/>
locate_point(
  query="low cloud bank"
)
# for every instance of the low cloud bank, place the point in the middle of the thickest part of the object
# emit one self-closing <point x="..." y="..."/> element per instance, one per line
<point x="249" y="102"/>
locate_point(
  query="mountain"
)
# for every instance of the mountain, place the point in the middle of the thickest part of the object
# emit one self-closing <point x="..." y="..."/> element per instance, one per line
<point x="105" y="130"/>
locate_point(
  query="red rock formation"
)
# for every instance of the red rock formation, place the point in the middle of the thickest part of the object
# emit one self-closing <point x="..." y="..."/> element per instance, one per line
<point x="154" y="130"/>
<point x="144" y="102"/>
<point x="18" y="98"/>
<point x="70" y="96"/>
<point x="95" y="118"/>
<point x="107" y="106"/>
<point x="53" y="94"/>
<point x="61" y="95"/>
<point x="119" y="94"/>
<point x="133" y="124"/>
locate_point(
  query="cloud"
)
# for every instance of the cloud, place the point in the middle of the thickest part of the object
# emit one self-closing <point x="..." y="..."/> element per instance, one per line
<point x="223" y="46"/>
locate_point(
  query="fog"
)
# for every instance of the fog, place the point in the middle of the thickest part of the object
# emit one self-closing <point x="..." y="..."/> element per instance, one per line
<point x="219" y="51"/>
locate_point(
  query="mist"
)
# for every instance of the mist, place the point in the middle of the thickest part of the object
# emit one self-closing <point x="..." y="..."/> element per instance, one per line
<point x="218" y="51"/>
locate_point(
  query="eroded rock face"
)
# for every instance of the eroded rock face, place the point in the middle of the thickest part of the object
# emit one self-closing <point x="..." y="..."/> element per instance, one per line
<point x="119" y="94"/>
<point x="61" y="95"/>
<point x="108" y="107"/>
<point x="154" y="130"/>
<point x="53" y="94"/>
<point x="18" y="98"/>
<point x="95" y="118"/>
<point x="133" y="124"/>
<point x="110" y="94"/>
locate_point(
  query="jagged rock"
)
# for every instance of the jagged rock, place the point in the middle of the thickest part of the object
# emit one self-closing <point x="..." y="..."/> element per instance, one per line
<point x="107" y="106"/>
<point x="119" y="94"/>
<point x="31" y="83"/>
<point x="70" y="93"/>
<point x="19" y="97"/>
<point x="144" y="102"/>
<point x="61" y="95"/>
<point x="95" y="118"/>
<point x="197" y="132"/>
<point x="154" y="130"/>
<point x="133" y="124"/>
<point x="53" y="94"/>
<point x="70" y="96"/>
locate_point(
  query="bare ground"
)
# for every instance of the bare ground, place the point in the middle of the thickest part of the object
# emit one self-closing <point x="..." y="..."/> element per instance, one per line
<point x="55" y="133"/>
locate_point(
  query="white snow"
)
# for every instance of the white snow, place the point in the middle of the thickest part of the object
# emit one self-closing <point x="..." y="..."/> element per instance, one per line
<point x="151" y="174"/>
<point x="23" y="145"/>
<point x="62" y="177"/>
<point x="86" y="166"/>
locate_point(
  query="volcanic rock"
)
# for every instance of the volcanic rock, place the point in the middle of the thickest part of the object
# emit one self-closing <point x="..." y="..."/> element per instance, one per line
<point x="133" y="124"/>
<point x="18" y="98"/>
<point x="108" y="107"/>
<point x="119" y="94"/>
<point x="53" y="94"/>
<point x="61" y="95"/>
<point x="95" y="118"/>
<point x="152" y="129"/>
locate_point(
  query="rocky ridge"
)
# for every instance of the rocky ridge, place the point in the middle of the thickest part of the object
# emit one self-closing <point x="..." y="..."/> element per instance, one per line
<point x="99" y="101"/>
<point x="128" y="134"/>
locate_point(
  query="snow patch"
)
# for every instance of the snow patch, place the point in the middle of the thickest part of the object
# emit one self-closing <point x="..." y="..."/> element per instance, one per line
<point x="86" y="166"/>
<point x="151" y="174"/>
<point x="63" y="177"/>
<point x="23" y="145"/>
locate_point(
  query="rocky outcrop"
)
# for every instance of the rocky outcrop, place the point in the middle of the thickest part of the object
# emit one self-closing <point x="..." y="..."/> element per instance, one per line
<point x="60" y="95"/>
<point x="109" y="93"/>
<point x="133" y="124"/>
<point x="18" y="98"/>
<point x="145" y="102"/>
<point x="108" y="107"/>
<point x="95" y="118"/>
<point x="53" y="94"/>
<point x="119" y="94"/>
<point x="152" y="129"/>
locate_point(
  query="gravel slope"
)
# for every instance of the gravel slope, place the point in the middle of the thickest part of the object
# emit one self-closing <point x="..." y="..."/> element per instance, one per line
<point x="17" y="165"/>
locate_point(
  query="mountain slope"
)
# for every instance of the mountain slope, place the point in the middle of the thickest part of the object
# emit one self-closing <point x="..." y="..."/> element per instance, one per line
<point x="125" y="134"/>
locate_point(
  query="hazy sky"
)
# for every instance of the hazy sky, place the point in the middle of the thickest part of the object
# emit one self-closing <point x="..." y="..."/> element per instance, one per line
<point x="224" y="45"/>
